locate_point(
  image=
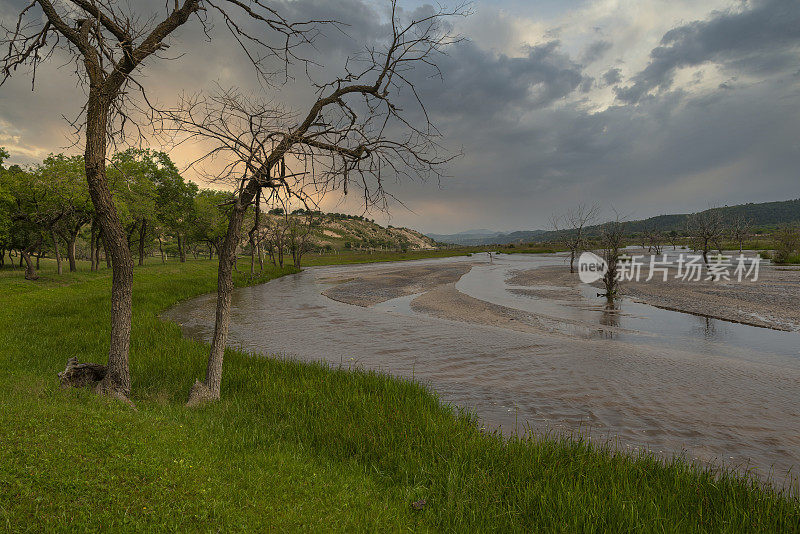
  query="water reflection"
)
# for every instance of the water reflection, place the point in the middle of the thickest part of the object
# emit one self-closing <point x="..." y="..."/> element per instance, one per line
<point x="611" y="314"/>
<point x="631" y="321"/>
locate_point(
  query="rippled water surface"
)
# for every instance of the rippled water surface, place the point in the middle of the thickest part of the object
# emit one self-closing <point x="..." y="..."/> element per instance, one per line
<point x="649" y="378"/>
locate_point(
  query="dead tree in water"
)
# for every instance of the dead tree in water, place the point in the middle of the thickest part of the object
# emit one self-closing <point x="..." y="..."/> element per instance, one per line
<point x="571" y="229"/>
<point x="612" y="239"/>
<point x="355" y="134"/>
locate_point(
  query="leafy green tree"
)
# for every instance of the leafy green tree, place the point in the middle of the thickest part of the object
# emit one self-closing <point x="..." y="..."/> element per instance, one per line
<point x="209" y="221"/>
<point x="133" y="175"/>
<point x="174" y="201"/>
<point x="64" y="179"/>
<point x="152" y="197"/>
<point x="34" y="208"/>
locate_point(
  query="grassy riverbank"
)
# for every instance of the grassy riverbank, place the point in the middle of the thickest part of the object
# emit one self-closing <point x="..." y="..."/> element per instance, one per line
<point x="292" y="445"/>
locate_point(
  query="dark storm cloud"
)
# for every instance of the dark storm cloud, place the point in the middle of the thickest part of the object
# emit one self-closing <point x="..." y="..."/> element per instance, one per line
<point x="612" y="76"/>
<point x="595" y="51"/>
<point x="532" y="143"/>
<point x="761" y="39"/>
<point x="478" y="84"/>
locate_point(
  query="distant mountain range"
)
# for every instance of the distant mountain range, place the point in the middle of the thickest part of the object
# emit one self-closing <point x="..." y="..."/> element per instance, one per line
<point x="762" y="215"/>
<point x="486" y="237"/>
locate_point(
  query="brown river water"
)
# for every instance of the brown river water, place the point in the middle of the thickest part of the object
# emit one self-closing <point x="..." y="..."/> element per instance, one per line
<point x="657" y="380"/>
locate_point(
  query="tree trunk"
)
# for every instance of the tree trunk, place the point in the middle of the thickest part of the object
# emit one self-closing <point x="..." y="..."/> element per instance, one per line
<point x="106" y="252"/>
<point x="161" y="250"/>
<point x="30" y="269"/>
<point x="142" y="235"/>
<point x="117" y="380"/>
<point x="93" y="248"/>
<point x="252" y="233"/>
<point x="71" y="252"/>
<point x="572" y="261"/>
<point x="56" y="251"/>
<point x="181" y="249"/>
<point x="210" y="389"/>
<point x="2" y="257"/>
<point x="25" y="254"/>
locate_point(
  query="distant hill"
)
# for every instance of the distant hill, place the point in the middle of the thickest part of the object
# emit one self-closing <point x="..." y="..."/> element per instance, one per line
<point x="339" y="231"/>
<point x="474" y="239"/>
<point x="764" y="215"/>
<point x="482" y="231"/>
<point x="470" y="237"/>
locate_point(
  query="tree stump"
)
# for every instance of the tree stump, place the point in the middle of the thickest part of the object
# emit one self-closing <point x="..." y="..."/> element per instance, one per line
<point x="78" y="375"/>
<point x="200" y="395"/>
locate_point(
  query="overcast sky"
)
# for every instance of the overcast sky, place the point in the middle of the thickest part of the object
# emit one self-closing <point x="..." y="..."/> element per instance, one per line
<point x="649" y="106"/>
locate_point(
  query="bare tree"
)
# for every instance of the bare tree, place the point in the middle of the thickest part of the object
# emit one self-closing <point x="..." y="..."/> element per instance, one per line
<point x="108" y="43"/>
<point x="355" y="134"/>
<point x="570" y="228"/>
<point x="739" y="227"/>
<point x="612" y="237"/>
<point x="706" y="230"/>
<point x="674" y="239"/>
<point x="654" y="239"/>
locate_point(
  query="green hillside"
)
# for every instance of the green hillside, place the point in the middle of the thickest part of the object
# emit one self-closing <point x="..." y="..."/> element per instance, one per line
<point x="763" y="217"/>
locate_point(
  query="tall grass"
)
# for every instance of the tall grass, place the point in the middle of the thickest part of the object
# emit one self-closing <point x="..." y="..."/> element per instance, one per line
<point x="297" y="446"/>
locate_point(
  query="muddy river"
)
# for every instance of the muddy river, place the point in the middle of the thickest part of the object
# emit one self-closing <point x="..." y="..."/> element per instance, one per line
<point x="537" y="357"/>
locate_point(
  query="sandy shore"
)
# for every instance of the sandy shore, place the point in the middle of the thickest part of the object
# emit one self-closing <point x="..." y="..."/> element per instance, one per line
<point x="380" y="285"/>
<point x="773" y="301"/>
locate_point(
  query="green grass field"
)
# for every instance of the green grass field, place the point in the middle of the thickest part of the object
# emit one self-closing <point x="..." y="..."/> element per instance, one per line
<point x="294" y="446"/>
